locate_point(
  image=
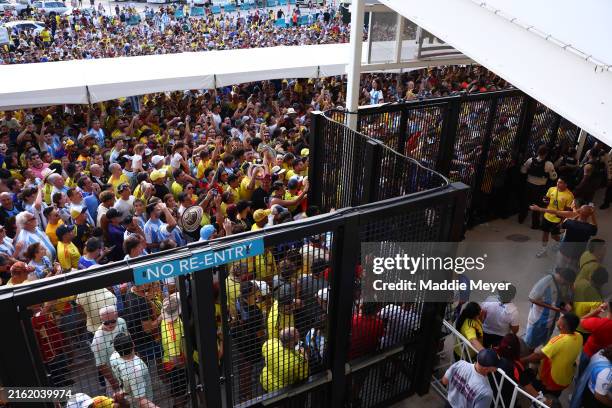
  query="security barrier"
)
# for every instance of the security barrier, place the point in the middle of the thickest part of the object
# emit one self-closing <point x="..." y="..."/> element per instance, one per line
<point x="275" y="327"/>
<point x="478" y="139"/>
<point x="501" y="383"/>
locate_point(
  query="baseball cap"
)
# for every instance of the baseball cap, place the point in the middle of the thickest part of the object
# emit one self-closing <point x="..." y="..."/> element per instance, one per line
<point x="157" y="159"/>
<point x="148" y="152"/>
<point x="260" y="214"/>
<point x="113" y="213"/>
<point x="487" y="358"/>
<point x="292" y="183"/>
<point x="77" y="210"/>
<point x="206" y="232"/>
<point x="157" y="175"/>
<point x="305" y="152"/>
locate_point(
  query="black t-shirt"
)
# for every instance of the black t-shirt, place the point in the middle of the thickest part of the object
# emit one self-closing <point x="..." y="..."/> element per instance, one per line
<point x="577" y="234"/>
<point x="245" y="331"/>
<point x="135" y="310"/>
<point x="160" y="191"/>
<point x="259" y="199"/>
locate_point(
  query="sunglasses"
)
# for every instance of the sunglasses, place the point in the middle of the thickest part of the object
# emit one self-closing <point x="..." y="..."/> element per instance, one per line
<point x="109" y="322"/>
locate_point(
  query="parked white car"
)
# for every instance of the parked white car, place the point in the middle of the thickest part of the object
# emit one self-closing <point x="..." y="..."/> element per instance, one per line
<point x="21" y="25"/>
<point x="46" y="7"/>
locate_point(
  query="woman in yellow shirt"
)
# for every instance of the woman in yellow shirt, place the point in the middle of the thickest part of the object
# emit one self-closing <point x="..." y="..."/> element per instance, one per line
<point x="67" y="253"/>
<point x="469" y="324"/>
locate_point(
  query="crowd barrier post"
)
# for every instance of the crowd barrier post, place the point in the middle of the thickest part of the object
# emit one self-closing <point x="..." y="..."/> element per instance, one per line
<point x="527" y="115"/>
<point x="206" y="334"/>
<point x="373" y="156"/>
<point x="428" y="345"/>
<point x="188" y="326"/>
<point x="18" y="367"/>
<point x="449" y="133"/>
<point x="345" y="256"/>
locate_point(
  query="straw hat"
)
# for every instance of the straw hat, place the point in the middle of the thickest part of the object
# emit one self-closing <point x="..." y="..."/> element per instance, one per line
<point x="191" y="218"/>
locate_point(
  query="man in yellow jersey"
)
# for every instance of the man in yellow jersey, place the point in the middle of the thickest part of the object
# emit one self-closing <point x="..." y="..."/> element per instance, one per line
<point x="558" y="356"/>
<point x="559" y="198"/>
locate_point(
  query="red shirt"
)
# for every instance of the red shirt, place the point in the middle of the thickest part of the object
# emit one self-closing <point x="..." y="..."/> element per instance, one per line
<point x="601" y="334"/>
<point x="366" y="332"/>
<point x="50" y="340"/>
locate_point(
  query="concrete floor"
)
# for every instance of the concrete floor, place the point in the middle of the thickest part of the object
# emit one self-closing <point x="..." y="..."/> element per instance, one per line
<point x="498" y="231"/>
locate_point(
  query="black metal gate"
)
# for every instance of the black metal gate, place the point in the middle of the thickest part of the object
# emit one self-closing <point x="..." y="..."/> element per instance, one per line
<point x="271" y="330"/>
<point x="478" y="139"/>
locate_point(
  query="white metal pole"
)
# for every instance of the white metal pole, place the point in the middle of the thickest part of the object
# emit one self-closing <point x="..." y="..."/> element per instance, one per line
<point x="399" y="27"/>
<point x="354" y="66"/>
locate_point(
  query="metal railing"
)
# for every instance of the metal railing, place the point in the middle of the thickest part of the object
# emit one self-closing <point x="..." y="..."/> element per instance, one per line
<point x="467" y="350"/>
<point x="478" y="139"/>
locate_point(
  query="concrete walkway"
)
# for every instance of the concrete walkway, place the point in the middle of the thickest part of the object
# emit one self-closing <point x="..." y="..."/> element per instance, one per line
<point x="499" y="231"/>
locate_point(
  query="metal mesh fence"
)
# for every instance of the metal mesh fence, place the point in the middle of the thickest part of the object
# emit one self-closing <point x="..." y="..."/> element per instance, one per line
<point x="500" y="156"/>
<point x="542" y="129"/>
<point x="381" y="126"/>
<point x="276" y="317"/>
<point x="384" y="173"/>
<point x="389" y="325"/>
<point x="567" y="135"/>
<point x="424" y="130"/>
<point x="341" y="183"/>
<point x="125" y="340"/>
<point x="463" y="139"/>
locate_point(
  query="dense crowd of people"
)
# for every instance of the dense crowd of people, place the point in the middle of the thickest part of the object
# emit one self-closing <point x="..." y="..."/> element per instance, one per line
<point x="125" y="32"/>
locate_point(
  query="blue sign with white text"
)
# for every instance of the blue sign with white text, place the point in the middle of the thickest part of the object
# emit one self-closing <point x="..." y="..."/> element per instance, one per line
<point x="197" y="262"/>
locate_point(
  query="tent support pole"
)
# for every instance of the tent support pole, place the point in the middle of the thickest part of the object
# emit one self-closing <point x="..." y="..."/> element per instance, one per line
<point x="354" y="67"/>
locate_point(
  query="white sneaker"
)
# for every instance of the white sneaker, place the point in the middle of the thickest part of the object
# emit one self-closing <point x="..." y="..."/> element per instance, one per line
<point x="541" y="253"/>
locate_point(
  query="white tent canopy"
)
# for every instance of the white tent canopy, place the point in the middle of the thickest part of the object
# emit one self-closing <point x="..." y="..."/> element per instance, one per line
<point x="83" y="81"/>
<point x="557" y="51"/>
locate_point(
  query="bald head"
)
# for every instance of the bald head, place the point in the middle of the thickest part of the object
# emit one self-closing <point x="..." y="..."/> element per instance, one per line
<point x="108" y="313"/>
<point x="96" y="170"/>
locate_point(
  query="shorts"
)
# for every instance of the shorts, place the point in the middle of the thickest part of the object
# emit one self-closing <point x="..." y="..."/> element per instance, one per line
<point x="553" y="227"/>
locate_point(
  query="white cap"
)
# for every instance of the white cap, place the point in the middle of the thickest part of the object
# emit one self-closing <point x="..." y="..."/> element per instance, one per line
<point x="148" y="152"/>
<point x="79" y="400"/>
<point x="157" y="159"/>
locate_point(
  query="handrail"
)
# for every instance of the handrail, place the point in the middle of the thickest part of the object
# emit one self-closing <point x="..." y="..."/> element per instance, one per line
<point x="466" y="347"/>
